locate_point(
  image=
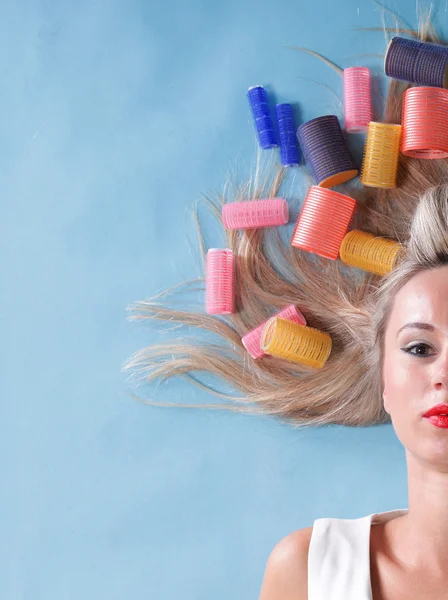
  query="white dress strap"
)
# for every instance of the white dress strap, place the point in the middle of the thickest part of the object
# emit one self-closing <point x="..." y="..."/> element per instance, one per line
<point x="339" y="559"/>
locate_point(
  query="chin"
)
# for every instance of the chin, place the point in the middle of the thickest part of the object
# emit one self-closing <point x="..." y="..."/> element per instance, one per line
<point x="433" y="454"/>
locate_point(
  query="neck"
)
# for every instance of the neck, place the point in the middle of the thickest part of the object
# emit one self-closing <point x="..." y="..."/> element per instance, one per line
<point x="423" y="531"/>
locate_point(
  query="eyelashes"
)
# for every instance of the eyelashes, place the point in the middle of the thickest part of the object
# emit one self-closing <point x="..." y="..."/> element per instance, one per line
<point x="421" y="345"/>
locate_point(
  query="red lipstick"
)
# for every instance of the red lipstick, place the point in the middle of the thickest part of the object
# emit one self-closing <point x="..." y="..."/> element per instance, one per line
<point x="438" y="415"/>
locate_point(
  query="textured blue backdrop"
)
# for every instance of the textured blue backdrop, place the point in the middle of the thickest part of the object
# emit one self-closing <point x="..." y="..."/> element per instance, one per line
<point x="115" y="116"/>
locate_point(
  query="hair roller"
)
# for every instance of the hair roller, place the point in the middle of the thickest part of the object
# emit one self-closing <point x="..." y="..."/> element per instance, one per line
<point x="252" y="339"/>
<point x="255" y="213"/>
<point x="323" y="222"/>
<point x="425" y="123"/>
<point x="290" y="341"/>
<point x="326" y="151"/>
<point x="357" y="99"/>
<point x="381" y="153"/>
<point x="219" y="281"/>
<point x="289" y="148"/>
<point x="258" y="100"/>
<point x="418" y="62"/>
<point x="370" y="253"/>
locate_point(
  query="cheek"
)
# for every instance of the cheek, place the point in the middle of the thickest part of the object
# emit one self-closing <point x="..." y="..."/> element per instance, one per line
<point x="397" y="379"/>
<point x="404" y="387"/>
<point x="404" y="381"/>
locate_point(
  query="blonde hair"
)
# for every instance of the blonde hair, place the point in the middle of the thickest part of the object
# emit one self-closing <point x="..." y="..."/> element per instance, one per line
<point x="352" y="306"/>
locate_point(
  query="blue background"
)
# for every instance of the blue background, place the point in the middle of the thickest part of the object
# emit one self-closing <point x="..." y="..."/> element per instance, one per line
<point x="115" y="116"/>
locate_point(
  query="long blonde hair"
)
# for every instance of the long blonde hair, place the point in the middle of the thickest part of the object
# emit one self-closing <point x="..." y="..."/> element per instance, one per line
<point x="352" y="306"/>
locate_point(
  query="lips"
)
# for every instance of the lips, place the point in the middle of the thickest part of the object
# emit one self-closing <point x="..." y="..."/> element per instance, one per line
<point x="436" y="411"/>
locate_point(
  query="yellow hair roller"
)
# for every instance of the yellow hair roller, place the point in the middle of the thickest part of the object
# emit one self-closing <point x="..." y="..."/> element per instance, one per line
<point x="368" y="252"/>
<point x="297" y="343"/>
<point x="381" y="151"/>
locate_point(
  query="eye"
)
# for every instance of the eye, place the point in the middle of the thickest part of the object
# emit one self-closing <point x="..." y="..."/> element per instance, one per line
<point x="420" y="350"/>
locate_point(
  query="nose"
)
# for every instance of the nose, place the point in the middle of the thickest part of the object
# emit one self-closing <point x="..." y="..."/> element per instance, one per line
<point x="440" y="377"/>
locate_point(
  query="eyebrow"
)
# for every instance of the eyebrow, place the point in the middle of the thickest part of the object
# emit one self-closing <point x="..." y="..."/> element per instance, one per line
<point x="417" y="325"/>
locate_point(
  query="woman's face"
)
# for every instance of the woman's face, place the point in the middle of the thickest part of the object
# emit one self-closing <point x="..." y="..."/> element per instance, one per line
<point x="415" y="367"/>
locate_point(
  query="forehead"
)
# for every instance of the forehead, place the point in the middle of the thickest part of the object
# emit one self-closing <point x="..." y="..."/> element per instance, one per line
<point x="423" y="298"/>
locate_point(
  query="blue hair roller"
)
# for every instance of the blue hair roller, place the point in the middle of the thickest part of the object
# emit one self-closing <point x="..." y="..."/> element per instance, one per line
<point x="258" y="100"/>
<point x="418" y="62"/>
<point x="289" y="148"/>
<point x="326" y="151"/>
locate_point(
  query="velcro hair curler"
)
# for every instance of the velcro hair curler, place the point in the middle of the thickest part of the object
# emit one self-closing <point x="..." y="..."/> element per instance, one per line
<point x="219" y="281"/>
<point x="417" y="62"/>
<point x="369" y="253"/>
<point x="252" y="339"/>
<point x="258" y="100"/>
<point x="255" y="213"/>
<point x="323" y="222"/>
<point x="425" y="123"/>
<point x="357" y="99"/>
<point x="326" y="151"/>
<point x="305" y="345"/>
<point x="289" y="147"/>
<point x="381" y="153"/>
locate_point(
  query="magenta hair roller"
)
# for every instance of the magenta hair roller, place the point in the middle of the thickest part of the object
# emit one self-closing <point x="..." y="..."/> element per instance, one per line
<point x="219" y="281"/>
<point x="252" y="339"/>
<point x="255" y="213"/>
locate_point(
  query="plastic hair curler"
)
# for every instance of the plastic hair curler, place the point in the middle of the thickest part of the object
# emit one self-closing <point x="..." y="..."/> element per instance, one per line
<point x="258" y="100"/>
<point x="219" y="281"/>
<point x="381" y="153"/>
<point x="370" y="253"/>
<point x="323" y="222"/>
<point x="417" y="62"/>
<point x="252" y="339"/>
<point x="357" y="99"/>
<point x="326" y="151"/>
<point x="290" y="341"/>
<point x="289" y="147"/>
<point x="255" y="213"/>
<point x="425" y="123"/>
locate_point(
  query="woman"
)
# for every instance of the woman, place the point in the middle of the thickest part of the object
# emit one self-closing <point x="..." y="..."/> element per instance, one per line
<point x="402" y="553"/>
<point x="377" y="372"/>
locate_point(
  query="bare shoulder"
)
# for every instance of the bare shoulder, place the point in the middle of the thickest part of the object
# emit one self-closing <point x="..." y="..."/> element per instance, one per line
<point x="286" y="574"/>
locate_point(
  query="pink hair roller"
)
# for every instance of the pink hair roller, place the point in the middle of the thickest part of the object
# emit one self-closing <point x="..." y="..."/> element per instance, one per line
<point x="357" y="99"/>
<point x="252" y="339"/>
<point x="323" y="222"/>
<point x="256" y="213"/>
<point x="219" y="281"/>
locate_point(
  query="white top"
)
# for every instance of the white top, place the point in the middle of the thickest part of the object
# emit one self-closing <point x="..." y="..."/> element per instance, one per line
<point x="339" y="557"/>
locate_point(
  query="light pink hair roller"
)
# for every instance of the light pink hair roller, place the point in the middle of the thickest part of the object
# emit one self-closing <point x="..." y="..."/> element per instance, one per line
<point x="256" y="213"/>
<point x="219" y="281"/>
<point x="252" y="339"/>
<point x="357" y="99"/>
